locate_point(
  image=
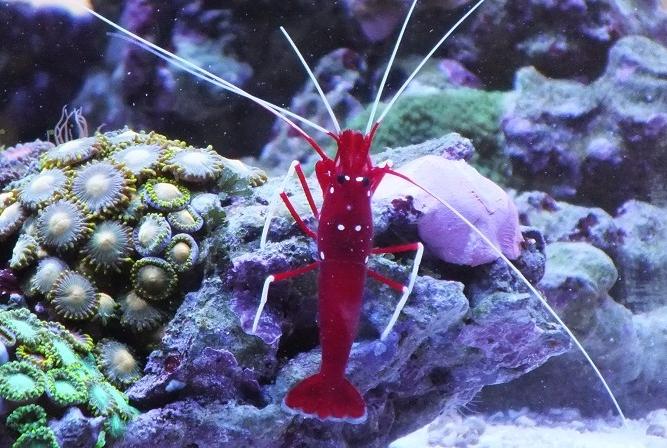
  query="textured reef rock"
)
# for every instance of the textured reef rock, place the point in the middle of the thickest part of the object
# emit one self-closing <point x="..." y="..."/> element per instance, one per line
<point x="563" y="39"/>
<point x="210" y="382"/>
<point x="572" y="140"/>
<point x="642" y="258"/>
<point x="605" y="277"/>
<point x="634" y="238"/>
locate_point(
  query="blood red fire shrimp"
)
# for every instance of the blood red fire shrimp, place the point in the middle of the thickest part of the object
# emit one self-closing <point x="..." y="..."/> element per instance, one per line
<point x="344" y="236"/>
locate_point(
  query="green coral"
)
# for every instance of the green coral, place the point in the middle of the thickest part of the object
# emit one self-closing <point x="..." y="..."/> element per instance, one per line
<point x="165" y="195"/>
<point x="65" y="387"/>
<point x="62" y="225"/>
<point x="109" y="247"/>
<point x="473" y="113"/>
<point x="11" y="219"/>
<point x="186" y="220"/>
<point x="414" y="119"/>
<point x="81" y="342"/>
<point x="25" y="326"/>
<point x="71" y="153"/>
<point x="71" y="378"/>
<point x="37" y="437"/>
<point x="194" y="164"/>
<point x="25" y="417"/>
<point x="101" y="399"/>
<point x="151" y="235"/>
<point x="7" y="335"/>
<point x="44" y="187"/>
<point x="21" y="382"/>
<point x="41" y="355"/>
<point x="108" y="308"/>
<point x="74" y="296"/>
<point x="182" y="252"/>
<point x="138" y="315"/>
<point x="102" y="187"/>
<point x="153" y="278"/>
<point x="140" y="159"/>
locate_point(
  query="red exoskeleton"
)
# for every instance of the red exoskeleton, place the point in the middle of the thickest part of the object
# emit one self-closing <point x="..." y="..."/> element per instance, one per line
<point x="344" y="237"/>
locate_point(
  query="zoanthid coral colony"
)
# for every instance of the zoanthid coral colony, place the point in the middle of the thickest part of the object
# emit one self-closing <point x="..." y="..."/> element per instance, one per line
<point x="100" y="239"/>
<point x="47" y="367"/>
<point x="107" y="226"/>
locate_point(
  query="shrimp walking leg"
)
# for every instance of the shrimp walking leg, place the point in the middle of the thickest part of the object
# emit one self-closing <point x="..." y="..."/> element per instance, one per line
<point x="302" y="225"/>
<point x="276" y="278"/>
<point x="406" y="290"/>
<point x="295" y="167"/>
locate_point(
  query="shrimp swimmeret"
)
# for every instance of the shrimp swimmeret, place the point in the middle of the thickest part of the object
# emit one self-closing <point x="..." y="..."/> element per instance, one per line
<point x="344" y="236"/>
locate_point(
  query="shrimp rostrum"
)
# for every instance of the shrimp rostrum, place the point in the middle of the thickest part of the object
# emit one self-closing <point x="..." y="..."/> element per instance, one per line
<point x="344" y="235"/>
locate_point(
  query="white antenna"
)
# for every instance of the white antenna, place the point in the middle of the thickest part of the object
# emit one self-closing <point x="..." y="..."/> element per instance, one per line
<point x="206" y="75"/>
<point x="312" y="77"/>
<point x="524" y="280"/>
<point x="426" y="58"/>
<point x="369" y="125"/>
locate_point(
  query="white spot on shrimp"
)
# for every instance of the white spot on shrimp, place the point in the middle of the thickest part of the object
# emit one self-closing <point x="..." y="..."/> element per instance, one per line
<point x="357" y="227"/>
<point x="322" y="255"/>
<point x="348" y="207"/>
<point x="366" y="260"/>
<point x="341" y="227"/>
<point x="359" y="179"/>
<point x="368" y="193"/>
<point x="347" y="177"/>
<point x="331" y="190"/>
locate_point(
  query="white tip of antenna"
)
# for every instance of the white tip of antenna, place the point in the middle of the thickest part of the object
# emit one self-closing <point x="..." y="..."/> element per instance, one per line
<point x="406" y="292"/>
<point x="262" y="302"/>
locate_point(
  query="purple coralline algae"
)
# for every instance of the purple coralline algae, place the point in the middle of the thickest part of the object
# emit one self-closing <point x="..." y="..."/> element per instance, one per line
<point x="477" y="198"/>
<point x="572" y="140"/>
<point x="211" y="383"/>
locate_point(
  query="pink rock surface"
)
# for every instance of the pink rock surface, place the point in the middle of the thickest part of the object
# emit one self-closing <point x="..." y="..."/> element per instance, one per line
<point x="477" y="198"/>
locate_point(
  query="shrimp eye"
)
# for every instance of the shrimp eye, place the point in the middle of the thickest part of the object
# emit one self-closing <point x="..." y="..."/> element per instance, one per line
<point x="341" y="179"/>
<point x="366" y="181"/>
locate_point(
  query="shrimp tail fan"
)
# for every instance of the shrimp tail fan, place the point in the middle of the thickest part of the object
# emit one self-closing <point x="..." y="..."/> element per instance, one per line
<point x="317" y="396"/>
